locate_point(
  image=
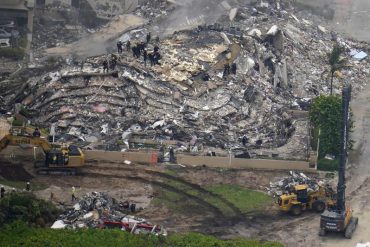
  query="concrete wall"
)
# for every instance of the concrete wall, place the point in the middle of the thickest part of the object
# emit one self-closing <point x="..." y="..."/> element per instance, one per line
<point x="11" y="2"/>
<point x="118" y="157"/>
<point x="220" y="162"/>
<point x="147" y="158"/>
<point x="226" y="162"/>
<point x="62" y="2"/>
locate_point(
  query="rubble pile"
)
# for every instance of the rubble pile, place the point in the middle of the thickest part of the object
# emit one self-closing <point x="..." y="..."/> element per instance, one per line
<point x="286" y="184"/>
<point x="99" y="210"/>
<point x="281" y="61"/>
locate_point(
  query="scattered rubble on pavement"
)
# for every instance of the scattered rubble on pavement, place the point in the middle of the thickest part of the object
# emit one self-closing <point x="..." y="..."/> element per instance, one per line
<point x="99" y="210"/>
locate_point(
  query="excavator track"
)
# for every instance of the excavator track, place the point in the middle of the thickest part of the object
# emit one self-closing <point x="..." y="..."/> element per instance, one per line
<point x="58" y="171"/>
<point x="352" y="225"/>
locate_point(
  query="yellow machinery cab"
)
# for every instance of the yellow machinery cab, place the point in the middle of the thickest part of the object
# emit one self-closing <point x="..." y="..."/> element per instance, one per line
<point x="301" y="199"/>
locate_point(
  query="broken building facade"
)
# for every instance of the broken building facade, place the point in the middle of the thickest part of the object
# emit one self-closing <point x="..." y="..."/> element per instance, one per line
<point x="281" y="66"/>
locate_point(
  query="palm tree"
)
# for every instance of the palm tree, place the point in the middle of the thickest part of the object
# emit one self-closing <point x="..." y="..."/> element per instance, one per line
<point x="336" y="63"/>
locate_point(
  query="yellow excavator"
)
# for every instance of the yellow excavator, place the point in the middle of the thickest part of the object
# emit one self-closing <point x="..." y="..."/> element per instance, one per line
<point x="300" y="199"/>
<point x="58" y="159"/>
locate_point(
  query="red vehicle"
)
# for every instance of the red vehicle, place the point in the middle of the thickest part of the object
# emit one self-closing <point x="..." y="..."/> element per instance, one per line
<point x="134" y="227"/>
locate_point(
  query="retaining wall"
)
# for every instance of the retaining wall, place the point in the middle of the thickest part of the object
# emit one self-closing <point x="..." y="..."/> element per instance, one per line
<point x="149" y="158"/>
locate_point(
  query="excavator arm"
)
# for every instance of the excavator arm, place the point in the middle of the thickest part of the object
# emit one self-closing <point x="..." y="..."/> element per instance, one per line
<point x="10" y="139"/>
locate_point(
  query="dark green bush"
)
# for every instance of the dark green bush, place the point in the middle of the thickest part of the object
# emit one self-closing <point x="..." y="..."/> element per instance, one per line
<point x="27" y="208"/>
<point x="328" y="165"/>
<point x="19" y="234"/>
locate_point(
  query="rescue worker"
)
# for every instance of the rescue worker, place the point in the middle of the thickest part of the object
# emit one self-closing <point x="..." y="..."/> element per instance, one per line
<point x="148" y="37"/>
<point x="119" y="47"/>
<point x="128" y="45"/>
<point x="28" y="186"/>
<point x="73" y="194"/>
<point x="136" y="51"/>
<point x="105" y="66"/>
<point x="142" y="46"/>
<point x="151" y="59"/>
<point x="226" y="70"/>
<point x="36" y="133"/>
<point x="2" y="192"/>
<point x="233" y="68"/>
<point x="244" y="140"/>
<point x="54" y="159"/>
<point x="113" y="62"/>
<point x="145" y="55"/>
<point x="256" y="67"/>
<point x="156" y="57"/>
<point x="172" y="155"/>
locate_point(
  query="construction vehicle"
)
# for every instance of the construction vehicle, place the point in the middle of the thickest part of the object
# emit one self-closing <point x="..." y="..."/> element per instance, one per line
<point x="300" y="199"/>
<point x="57" y="159"/>
<point x="340" y="218"/>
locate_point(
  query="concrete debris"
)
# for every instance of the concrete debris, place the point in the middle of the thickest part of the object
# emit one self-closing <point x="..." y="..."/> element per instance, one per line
<point x="98" y="210"/>
<point x="284" y="185"/>
<point x="233" y="13"/>
<point x="215" y="79"/>
<point x="59" y="224"/>
<point x="358" y="55"/>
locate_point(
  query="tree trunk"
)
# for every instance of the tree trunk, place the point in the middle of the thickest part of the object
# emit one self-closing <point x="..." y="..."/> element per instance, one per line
<point x="331" y="83"/>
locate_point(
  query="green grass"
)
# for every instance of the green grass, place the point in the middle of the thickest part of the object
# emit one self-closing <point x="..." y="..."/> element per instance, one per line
<point x="19" y="234"/>
<point x="328" y="165"/>
<point x="22" y="185"/>
<point x="244" y="199"/>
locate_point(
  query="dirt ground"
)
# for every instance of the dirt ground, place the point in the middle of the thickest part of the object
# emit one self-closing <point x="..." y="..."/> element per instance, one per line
<point x="140" y="184"/>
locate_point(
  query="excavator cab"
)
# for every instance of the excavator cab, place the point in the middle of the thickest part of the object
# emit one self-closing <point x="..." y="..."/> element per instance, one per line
<point x="62" y="159"/>
<point x="302" y="193"/>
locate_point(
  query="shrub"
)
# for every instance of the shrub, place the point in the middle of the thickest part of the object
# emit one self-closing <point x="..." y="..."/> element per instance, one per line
<point x="26" y="207"/>
<point x="328" y="165"/>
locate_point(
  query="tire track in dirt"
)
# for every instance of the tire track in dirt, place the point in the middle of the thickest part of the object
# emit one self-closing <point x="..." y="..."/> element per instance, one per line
<point x="200" y="201"/>
<point x="238" y="215"/>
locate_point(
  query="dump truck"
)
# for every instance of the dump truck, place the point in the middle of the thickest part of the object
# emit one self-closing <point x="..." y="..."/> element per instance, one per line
<point x="301" y="199"/>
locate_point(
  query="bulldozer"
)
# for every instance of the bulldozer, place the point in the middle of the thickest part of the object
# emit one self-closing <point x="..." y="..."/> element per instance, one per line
<point x="301" y="199"/>
<point x="340" y="217"/>
<point x="57" y="159"/>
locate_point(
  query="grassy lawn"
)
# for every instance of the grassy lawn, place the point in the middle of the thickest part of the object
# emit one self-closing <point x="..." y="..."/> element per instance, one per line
<point x="195" y="200"/>
<point x="22" y="185"/>
<point x="244" y="199"/>
<point x="19" y="234"/>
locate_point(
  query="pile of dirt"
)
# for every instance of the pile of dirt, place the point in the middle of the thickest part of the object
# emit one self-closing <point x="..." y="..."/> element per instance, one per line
<point x="14" y="172"/>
